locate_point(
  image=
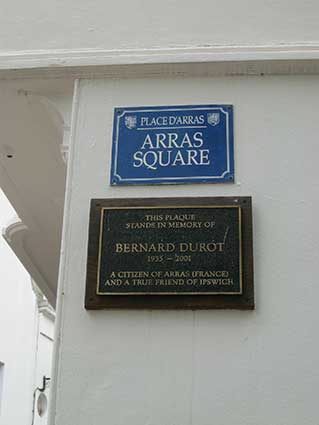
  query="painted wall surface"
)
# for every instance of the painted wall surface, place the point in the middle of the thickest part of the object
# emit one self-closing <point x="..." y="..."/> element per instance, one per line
<point x="25" y="348"/>
<point x="43" y="365"/>
<point x="17" y="330"/>
<point x="202" y="367"/>
<point x="70" y="24"/>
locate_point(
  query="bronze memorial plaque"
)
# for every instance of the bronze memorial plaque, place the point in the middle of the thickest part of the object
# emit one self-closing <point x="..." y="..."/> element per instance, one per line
<point x="170" y="253"/>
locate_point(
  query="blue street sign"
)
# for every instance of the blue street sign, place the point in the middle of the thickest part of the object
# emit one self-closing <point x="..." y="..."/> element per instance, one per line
<point x="173" y="144"/>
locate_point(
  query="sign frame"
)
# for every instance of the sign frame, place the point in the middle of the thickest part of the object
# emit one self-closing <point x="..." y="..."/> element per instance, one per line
<point x="242" y="301"/>
<point x="119" y="146"/>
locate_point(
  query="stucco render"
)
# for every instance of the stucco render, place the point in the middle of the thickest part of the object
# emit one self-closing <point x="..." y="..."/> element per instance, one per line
<point x="200" y="367"/>
<point x="69" y="24"/>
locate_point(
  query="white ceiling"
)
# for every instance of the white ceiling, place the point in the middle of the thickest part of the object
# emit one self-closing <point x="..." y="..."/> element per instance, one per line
<point x="35" y="123"/>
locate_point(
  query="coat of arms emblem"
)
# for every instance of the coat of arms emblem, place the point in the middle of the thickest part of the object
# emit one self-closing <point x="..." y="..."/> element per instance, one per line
<point x="213" y="118"/>
<point x="130" y="121"/>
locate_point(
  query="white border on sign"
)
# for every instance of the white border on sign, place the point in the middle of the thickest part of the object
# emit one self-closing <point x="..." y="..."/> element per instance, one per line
<point x="169" y="178"/>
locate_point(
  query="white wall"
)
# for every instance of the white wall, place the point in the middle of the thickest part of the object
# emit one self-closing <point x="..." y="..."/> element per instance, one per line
<point x="17" y="331"/>
<point x="70" y="24"/>
<point x="25" y="352"/>
<point x="43" y="363"/>
<point x="202" y="367"/>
